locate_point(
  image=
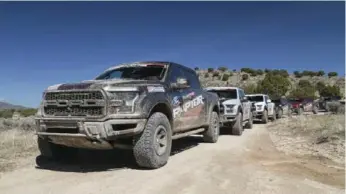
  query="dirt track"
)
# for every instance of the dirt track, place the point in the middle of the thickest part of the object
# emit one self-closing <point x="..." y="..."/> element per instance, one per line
<point x="246" y="164"/>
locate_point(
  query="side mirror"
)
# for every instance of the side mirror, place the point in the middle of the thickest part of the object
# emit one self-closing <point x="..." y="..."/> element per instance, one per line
<point x="180" y="84"/>
<point x="269" y="101"/>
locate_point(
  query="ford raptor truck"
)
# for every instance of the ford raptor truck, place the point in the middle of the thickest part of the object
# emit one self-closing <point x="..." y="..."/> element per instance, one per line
<point x="142" y="106"/>
<point x="235" y="109"/>
<point x="265" y="108"/>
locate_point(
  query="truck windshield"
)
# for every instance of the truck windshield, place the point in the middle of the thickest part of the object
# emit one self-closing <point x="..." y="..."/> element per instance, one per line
<point x="256" y="98"/>
<point x="150" y="72"/>
<point x="226" y="94"/>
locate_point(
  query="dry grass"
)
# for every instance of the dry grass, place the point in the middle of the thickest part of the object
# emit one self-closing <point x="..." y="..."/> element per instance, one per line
<point x="17" y="142"/>
<point x="316" y="135"/>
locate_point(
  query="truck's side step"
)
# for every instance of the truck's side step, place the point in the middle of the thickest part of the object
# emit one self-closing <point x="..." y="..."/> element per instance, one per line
<point x="180" y="135"/>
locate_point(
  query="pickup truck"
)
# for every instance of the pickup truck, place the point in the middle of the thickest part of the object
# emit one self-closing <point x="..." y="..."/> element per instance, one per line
<point x="301" y="105"/>
<point x="142" y="106"/>
<point x="235" y="109"/>
<point x="265" y="108"/>
<point x="282" y="107"/>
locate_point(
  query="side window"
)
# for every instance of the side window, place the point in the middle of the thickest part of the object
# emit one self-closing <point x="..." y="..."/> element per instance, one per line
<point x="175" y="72"/>
<point x="241" y="94"/>
<point x="266" y="98"/>
<point x="192" y="80"/>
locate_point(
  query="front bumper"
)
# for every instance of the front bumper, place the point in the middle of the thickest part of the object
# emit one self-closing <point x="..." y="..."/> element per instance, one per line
<point x="225" y="118"/>
<point x="87" y="134"/>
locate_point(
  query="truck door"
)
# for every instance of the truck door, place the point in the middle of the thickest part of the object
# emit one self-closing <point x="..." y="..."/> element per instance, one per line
<point x="195" y="102"/>
<point x="176" y="97"/>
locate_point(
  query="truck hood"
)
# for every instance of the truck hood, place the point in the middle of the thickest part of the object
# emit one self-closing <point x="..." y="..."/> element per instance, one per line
<point x="229" y="101"/>
<point x="98" y="84"/>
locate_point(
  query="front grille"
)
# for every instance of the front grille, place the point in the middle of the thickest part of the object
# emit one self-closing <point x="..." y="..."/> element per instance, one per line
<point x="78" y="104"/>
<point x="93" y="95"/>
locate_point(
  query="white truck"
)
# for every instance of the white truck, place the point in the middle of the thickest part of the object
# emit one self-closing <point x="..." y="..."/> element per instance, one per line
<point x="265" y="108"/>
<point x="235" y="109"/>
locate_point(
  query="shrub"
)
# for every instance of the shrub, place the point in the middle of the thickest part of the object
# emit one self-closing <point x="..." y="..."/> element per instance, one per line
<point x="225" y="77"/>
<point x="223" y="69"/>
<point x="245" y="77"/>
<point x="230" y="73"/>
<point x="297" y="74"/>
<point x="259" y="72"/>
<point x="234" y="70"/>
<point x="196" y="68"/>
<point x="206" y="75"/>
<point x="332" y="74"/>
<point x="250" y="89"/>
<point x="267" y="70"/>
<point x="215" y="74"/>
<point x="320" y="73"/>
<point x="304" y="90"/>
<point x="210" y="70"/>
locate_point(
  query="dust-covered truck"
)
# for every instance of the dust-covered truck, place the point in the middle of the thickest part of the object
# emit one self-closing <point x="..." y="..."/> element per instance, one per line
<point x="235" y="108"/>
<point x="265" y="108"/>
<point x="142" y="106"/>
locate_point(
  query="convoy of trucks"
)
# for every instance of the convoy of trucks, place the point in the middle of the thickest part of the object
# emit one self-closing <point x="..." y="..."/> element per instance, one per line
<point x="144" y="106"/>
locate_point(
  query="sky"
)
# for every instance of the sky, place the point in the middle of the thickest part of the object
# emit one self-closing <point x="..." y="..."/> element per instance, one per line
<point x="47" y="43"/>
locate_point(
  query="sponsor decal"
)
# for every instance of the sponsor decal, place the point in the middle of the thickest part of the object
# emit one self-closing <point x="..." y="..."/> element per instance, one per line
<point x="155" y="89"/>
<point x="175" y="101"/>
<point x="194" y="103"/>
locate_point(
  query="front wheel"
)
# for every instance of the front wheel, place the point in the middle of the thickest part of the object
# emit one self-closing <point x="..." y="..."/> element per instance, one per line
<point x="300" y="111"/>
<point x="249" y="124"/>
<point x="211" y="134"/>
<point x="265" y="117"/>
<point x="152" y="147"/>
<point x="237" y="128"/>
<point x="280" y="113"/>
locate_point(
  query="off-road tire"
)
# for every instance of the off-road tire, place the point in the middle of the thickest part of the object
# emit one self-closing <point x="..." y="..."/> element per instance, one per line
<point x="265" y="116"/>
<point x="145" y="145"/>
<point x="300" y="111"/>
<point x="315" y="109"/>
<point x="237" y="128"/>
<point x="280" y="113"/>
<point x="249" y="124"/>
<point x="211" y="134"/>
<point x="56" y="152"/>
<point x="273" y="118"/>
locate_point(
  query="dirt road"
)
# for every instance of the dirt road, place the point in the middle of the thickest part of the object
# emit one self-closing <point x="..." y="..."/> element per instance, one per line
<point x="246" y="164"/>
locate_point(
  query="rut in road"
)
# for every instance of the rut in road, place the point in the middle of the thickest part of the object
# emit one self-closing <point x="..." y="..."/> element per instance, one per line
<point x="235" y="164"/>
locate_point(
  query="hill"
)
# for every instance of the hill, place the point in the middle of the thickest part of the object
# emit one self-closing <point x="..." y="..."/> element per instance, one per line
<point x="248" y="78"/>
<point x="6" y="105"/>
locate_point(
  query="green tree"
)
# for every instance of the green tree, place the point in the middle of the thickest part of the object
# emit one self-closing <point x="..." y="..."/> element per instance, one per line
<point x="320" y="73"/>
<point x="330" y="91"/>
<point x="297" y="74"/>
<point x="304" y="90"/>
<point x="234" y="70"/>
<point x="210" y="69"/>
<point x="223" y="69"/>
<point x="196" y="68"/>
<point x="320" y="86"/>
<point x="267" y="70"/>
<point x="332" y="74"/>
<point x="274" y="85"/>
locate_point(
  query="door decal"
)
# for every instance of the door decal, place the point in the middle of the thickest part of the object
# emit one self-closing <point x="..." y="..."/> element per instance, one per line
<point x="187" y="106"/>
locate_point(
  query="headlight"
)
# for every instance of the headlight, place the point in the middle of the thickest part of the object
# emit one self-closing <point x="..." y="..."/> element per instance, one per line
<point x="122" y="102"/>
